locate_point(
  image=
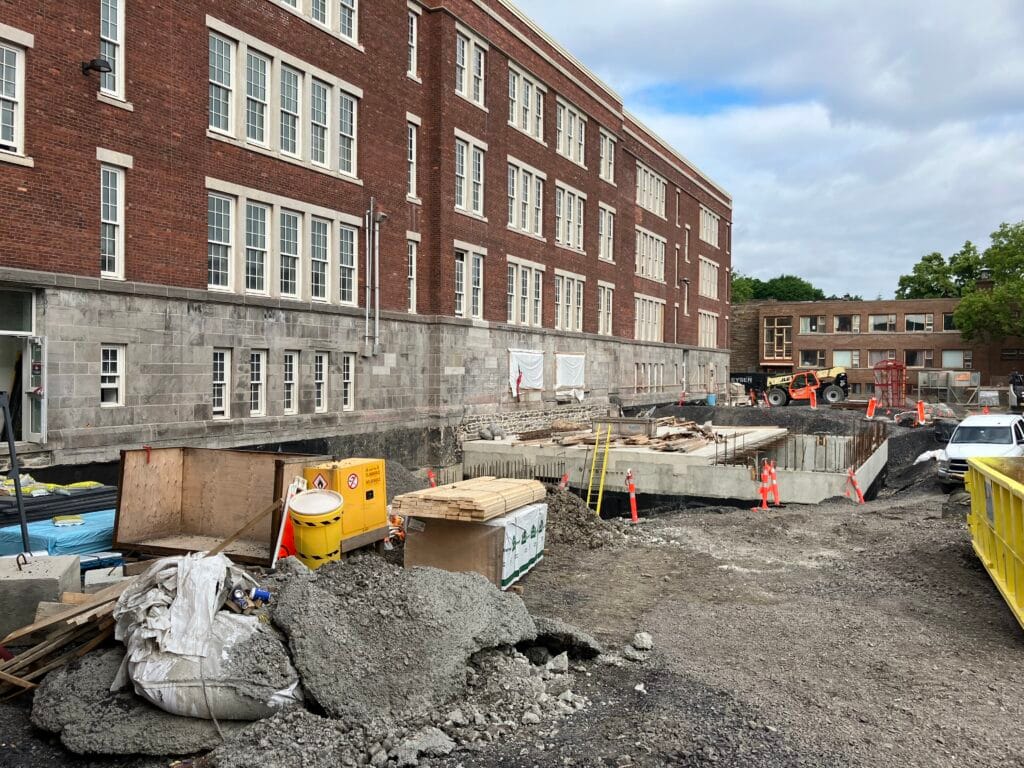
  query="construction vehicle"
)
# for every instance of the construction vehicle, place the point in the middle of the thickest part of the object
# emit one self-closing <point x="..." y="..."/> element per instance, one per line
<point x="829" y="384"/>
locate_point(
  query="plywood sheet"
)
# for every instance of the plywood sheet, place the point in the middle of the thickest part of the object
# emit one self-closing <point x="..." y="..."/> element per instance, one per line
<point x="149" y="497"/>
<point x="241" y="549"/>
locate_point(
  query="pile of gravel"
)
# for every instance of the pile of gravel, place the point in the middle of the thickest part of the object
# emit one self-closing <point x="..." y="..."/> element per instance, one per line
<point x="572" y="524"/>
<point x="400" y="480"/>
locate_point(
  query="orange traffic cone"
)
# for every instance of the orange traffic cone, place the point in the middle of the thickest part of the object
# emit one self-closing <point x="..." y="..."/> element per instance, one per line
<point x="765" y="474"/>
<point x="774" y="476"/>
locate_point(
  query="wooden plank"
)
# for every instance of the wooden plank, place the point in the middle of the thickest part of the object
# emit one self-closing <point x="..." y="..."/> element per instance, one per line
<point x="75" y="598"/>
<point x="106" y="595"/>
<point x="105" y="630"/>
<point x="264" y="513"/>
<point x="149" y="502"/>
<point x="16" y="681"/>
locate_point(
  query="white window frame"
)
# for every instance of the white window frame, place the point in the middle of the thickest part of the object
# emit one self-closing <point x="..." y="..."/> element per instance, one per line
<point x="605" y="308"/>
<point x="224" y="383"/>
<point x="608" y="146"/>
<point x="345" y="269"/>
<point x="257" y="382"/>
<point x="709" y="226"/>
<point x="348" y="381"/>
<point x="648" y="318"/>
<point x="228" y="86"/>
<point x="820" y="356"/>
<point x="469" y="275"/>
<point x="260" y="282"/>
<point x="112" y="83"/>
<point x="650" y="255"/>
<point x="570" y="212"/>
<point x="966" y="359"/>
<point x="352" y="7"/>
<point x="413" y="43"/>
<point x="227" y="242"/>
<point x="315" y="223"/>
<point x="708" y="329"/>
<point x="113" y="378"/>
<point x="927" y="358"/>
<point x="709" y="278"/>
<point x="524" y="304"/>
<point x="297" y="278"/>
<point x="470" y="184"/>
<point x="412" y="132"/>
<point x="320" y="124"/>
<point x="526" y="99"/>
<point x="526" y="198"/>
<point x="890" y="323"/>
<point x="651" y="189"/>
<point x="606" y="232"/>
<point x="289" y="112"/>
<point x="571" y="132"/>
<point x="854" y="323"/>
<point x="927" y="319"/>
<point x="117" y="221"/>
<point x="13" y="44"/>
<point x="471" y="66"/>
<point x="254" y="103"/>
<point x="889" y="354"/>
<point x="290" y="382"/>
<point x="333" y="25"/>
<point x="321" y="381"/>
<point x="852" y="355"/>
<point x="412" y="247"/>
<point x="569" y="293"/>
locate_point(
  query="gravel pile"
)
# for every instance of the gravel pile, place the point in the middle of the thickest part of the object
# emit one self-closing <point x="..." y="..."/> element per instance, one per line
<point x="572" y="524"/>
<point x="400" y="480"/>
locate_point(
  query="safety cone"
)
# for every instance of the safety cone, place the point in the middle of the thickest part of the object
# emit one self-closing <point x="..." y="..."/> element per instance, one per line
<point x="814" y="400"/>
<point x="851" y="481"/>
<point x="985" y="410"/>
<point x="872" y="405"/>
<point x="774" y="476"/>
<point x="920" y="412"/>
<point x="765" y="475"/>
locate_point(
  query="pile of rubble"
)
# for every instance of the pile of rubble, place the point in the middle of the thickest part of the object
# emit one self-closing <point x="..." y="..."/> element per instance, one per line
<point x="677" y="435"/>
<point x="572" y="524"/>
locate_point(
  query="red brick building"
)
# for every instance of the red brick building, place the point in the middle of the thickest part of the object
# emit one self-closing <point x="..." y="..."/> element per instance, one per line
<point x="286" y="218"/>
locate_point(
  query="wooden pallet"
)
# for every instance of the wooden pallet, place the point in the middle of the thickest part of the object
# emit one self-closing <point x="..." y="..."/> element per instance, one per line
<point x="476" y="500"/>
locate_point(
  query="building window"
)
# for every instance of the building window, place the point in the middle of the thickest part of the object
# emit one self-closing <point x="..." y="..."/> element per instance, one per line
<point x="846" y="358"/>
<point x="288" y="225"/>
<point x="290" y="381"/>
<point x="708" y="278"/>
<point x="524" y="300"/>
<point x="812" y="358"/>
<point x="222" y="53"/>
<point x="709" y="226"/>
<point x="412" y="66"/>
<point x="876" y="356"/>
<point x="650" y="190"/>
<point x="320" y="371"/>
<point x="347" y="265"/>
<point x="112" y="46"/>
<point x="525" y="103"/>
<point x="607" y="169"/>
<point x="218" y="240"/>
<point x="348" y="21"/>
<point x="525" y="198"/>
<point x="708" y="329"/>
<point x="606" y="232"/>
<point x="679" y="201"/>
<point x="319" y="123"/>
<point x="221" y="383"/>
<point x="605" y="297"/>
<point x="918" y="358"/>
<point x="291" y="87"/>
<point x="258" y="383"/>
<point x="469" y="271"/>
<point x="648" y="318"/>
<point x="650" y="255"/>
<point x="318" y="11"/>
<point x="569" y="213"/>
<point x="469" y="177"/>
<point x="778" y="338"/>
<point x="470" y="67"/>
<point x="112" y="375"/>
<point x="111" y="221"/>
<point x="12" y="99"/>
<point x="881" y="323"/>
<point x="812" y="324"/>
<point x="921" y="323"/>
<point x="569" y="302"/>
<point x="348" y="369"/>
<point x="571" y="133"/>
<point x="411" y="247"/>
<point x="958" y="359"/>
<point x="948" y="323"/>
<point x="257" y="72"/>
<point x="846" y="324"/>
<point x="411" y="132"/>
<point x="257" y="227"/>
<point x="319" y="258"/>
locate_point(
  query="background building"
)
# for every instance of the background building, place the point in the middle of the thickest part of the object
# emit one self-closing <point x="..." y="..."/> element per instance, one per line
<point x="285" y="220"/>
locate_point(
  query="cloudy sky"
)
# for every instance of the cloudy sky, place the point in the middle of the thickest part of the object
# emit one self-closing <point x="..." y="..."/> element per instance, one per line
<point x="854" y="137"/>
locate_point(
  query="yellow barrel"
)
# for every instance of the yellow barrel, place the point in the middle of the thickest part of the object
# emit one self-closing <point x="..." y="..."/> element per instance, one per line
<point x="316" y="522"/>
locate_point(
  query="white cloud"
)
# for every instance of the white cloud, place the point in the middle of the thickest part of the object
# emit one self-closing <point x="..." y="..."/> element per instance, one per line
<point x="875" y="131"/>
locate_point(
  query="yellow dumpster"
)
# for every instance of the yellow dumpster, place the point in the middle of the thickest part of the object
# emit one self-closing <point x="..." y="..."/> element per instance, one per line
<point x="996" y="522"/>
<point x="316" y="522"/>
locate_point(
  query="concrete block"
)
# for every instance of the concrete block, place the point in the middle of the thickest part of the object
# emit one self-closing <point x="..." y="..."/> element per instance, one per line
<point x="101" y="578"/>
<point x="43" y="579"/>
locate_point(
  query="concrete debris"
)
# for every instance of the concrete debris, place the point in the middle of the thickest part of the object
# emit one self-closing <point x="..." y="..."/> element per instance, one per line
<point x="643" y="641"/>
<point x="76" y="702"/>
<point x="559" y="665"/>
<point x="572" y="524"/>
<point x="400" y="480"/>
<point x="558" y="636"/>
<point x="430" y="741"/>
<point x="633" y="654"/>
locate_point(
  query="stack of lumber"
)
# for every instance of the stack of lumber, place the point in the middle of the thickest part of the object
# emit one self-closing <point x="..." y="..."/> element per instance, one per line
<point x="477" y="500"/>
<point x="685" y="436"/>
<point x="84" y="625"/>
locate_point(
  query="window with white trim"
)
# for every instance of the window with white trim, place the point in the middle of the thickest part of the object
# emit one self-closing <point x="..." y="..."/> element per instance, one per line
<point x="411" y="151"/>
<point x="882" y="323"/>
<point x="570" y="205"/>
<point x="650" y="190"/>
<point x="708" y="329"/>
<point x="12" y="99"/>
<point x="111" y="221"/>
<point x="812" y="324"/>
<point x="412" y="65"/>
<point x="348" y="380"/>
<point x="571" y="133"/>
<point x="112" y="47"/>
<point x="290" y="380"/>
<point x="319" y="123"/>
<point x="348" y="19"/>
<point x="524" y="300"/>
<point x="257" y="96"/>
<point x="876" y="356"/>
<point x="569" y="302"/>
<point x="918" y="358"/>
<point x="608" y="144"/>
<point x="219" y="240"/>
<point x="291" y="88"/>
<point x="257" y="237"/>
<point x="648" y="318"/>
<point x="606" y="232"/>
<point x="846" y="358"/>
<point x="289" y="227"/>
<point x="709" y="224"/>
<point x="222" y="57"/>
<point x="469" y="284"/>
<point x="605" y="300"/>
<point x="348" y="238"/>
<point x="320" y="373"/>
<point x="258" y="382"/>
<point x="318" y="11"/>
<point x="919" y="323"/>
<point x="347" y="134"/>
<point x="650" y="255"/>
<point x="112" y="370"/>
<point x="319" y="259"/>
<point x="812" y="358"/>
<point x="470" y="67"/>
<point x="344" y="23"/>
<point x="411" y="250"/>
<point x="679" y="200"/>
<point x="525" y="198"/>
<point x="221" y="390"/>
<point x="708" y="278"/>
<point x="957" y="359"/>
<point x="469" y="177"/>
<point x="525" y="103"/>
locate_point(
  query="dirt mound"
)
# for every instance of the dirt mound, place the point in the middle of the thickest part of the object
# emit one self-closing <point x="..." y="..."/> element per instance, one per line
<point x="400" y="480"/>
<point x="913" y="478"/>
<point x="572" y="524"/>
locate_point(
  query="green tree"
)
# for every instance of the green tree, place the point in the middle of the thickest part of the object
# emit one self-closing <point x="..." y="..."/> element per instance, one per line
<point x="964" y="267"/>
<point x="791" y="288"/>
<point x="929" y="279"/>
<point x="996" y="310"/>
<point x="744" y="288"/>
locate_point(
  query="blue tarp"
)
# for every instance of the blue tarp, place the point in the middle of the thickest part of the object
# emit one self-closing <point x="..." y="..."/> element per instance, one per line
<point x="96" y="535"/>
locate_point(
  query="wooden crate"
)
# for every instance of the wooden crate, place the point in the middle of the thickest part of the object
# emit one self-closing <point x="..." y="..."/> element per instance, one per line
<point x="176" y="500"/>
<point x="476" y="500"/>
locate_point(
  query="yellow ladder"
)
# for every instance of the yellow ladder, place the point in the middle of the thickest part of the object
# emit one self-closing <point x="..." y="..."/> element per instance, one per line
<point x="604" y="468"/>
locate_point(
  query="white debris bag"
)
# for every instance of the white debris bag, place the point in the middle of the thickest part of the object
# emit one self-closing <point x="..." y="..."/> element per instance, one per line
<point x="190" y="658"/>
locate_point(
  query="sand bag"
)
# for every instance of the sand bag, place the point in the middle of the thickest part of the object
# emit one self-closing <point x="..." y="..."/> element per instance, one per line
<point x="190" y="658"/>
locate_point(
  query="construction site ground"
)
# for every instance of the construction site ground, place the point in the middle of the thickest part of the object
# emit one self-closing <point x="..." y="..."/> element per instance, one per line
<point x="826" y="635"/>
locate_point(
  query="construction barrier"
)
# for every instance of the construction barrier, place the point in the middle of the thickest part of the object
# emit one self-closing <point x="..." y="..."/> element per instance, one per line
<point x="852" y="484"/>
<point x="872" y="405"/>
<point x="814" y="400"/>
<point x="632" y="496"/>
<point x="774" y="489"/>
<point x="995" y="522"/>
<point x="921" y="415"/>
<point x="432" y="478"/>
<point x="564" y="483"/>
<point x="765" y="476"/>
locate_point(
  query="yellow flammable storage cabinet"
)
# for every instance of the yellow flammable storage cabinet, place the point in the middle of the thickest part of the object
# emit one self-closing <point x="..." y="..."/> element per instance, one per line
<point x="362" y="484"/>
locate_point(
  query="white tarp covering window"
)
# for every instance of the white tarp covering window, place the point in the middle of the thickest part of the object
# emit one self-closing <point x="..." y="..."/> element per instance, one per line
<point x="569" y="374"/>
<point x="525" y="370"/>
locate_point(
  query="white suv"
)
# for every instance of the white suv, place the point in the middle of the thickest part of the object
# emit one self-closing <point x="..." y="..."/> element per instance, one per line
<point x="981" y="436"/>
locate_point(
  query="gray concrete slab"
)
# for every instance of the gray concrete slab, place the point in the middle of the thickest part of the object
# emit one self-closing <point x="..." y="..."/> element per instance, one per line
<point x="43" y="579"/>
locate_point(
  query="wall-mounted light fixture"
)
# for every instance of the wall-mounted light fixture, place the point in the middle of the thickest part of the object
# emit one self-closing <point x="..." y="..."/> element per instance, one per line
<point x="96" y="65"/>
